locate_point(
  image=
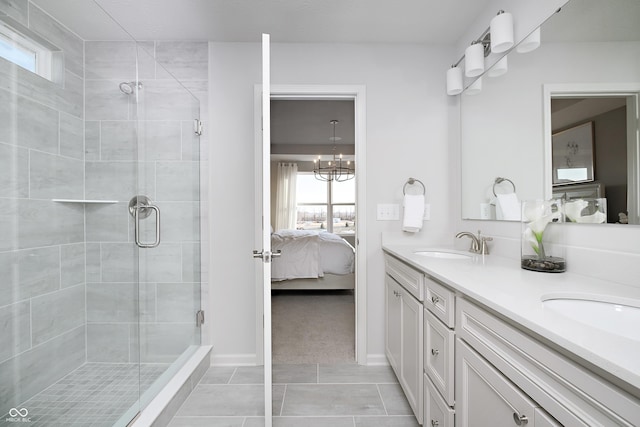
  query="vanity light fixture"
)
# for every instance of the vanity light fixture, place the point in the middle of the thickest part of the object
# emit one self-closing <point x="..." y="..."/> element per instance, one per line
<point x="474" y="59"/>
<point x="530" y="43"/>
<point x="454" y="80"/>
<point x="497" y="38"/>
<point x="499" y="68"/>
<point x="336" y="169"/>
<point x="475" y="87"/>
<point x="501" y="30"/>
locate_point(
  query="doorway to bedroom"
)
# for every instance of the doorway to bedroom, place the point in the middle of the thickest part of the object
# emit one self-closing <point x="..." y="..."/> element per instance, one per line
<point x="313" y="212"/>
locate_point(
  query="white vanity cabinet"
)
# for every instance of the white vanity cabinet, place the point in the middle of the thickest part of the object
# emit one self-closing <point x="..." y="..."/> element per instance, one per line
<point x="480" y="365"/>
<point x="498" y="365"/>
<point x="403" y="341"/>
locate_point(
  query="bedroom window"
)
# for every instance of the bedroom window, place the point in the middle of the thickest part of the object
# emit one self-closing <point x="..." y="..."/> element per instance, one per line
<point x="326" y="206"/>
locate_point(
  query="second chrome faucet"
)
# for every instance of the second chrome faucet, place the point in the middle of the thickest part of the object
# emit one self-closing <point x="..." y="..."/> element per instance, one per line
<point x="478" y="243"/>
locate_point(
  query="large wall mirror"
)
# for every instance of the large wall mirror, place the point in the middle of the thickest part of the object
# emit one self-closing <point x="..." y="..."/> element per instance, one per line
<point x="563" y="121"/>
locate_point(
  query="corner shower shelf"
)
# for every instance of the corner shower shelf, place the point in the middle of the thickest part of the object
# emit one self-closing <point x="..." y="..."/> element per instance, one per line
<point x="84" y="201"/>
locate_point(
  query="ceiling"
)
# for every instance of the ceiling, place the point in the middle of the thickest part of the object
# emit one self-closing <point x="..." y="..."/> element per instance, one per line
<point x="324" y="21"/>
<point x="594" y="21"/>
<point x="307" y="122"/>
<point x="290" y="21"/>
<point x="569" y="111"/>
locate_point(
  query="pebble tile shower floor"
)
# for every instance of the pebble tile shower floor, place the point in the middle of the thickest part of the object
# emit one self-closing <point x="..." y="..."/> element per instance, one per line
<point x="95" y="394"/>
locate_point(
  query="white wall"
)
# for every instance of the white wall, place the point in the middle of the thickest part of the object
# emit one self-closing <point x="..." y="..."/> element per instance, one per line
<point x="407" y="135"/>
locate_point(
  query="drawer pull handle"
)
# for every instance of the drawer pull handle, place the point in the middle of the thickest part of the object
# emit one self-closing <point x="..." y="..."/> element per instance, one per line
<point x="435" y="299"/>
<point x="435" y="352"/>
<point x="434" y="423"/>
<point x="520" y="420"/>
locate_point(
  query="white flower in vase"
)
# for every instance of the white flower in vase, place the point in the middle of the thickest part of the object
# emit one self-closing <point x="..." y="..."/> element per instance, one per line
<point x="538" y="215"/>
<point x="573" y="211"/>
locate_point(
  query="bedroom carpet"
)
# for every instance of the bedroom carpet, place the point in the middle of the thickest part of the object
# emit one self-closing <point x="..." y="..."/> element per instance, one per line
<point x="313" y="327"/>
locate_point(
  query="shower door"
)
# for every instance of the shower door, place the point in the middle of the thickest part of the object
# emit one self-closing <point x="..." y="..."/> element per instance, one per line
<point x="143" y="290"/>
<point x="166" y="229"/>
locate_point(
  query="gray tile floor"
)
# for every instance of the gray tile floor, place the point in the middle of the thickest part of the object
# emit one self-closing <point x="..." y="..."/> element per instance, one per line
<point x="95" y="394"/>
<point x="310" y="395"/>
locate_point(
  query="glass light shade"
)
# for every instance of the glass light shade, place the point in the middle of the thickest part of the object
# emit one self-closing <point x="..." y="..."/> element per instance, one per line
<point x="501" y="33"/>
<point x="531" y="42"/>
<point x="474" y="60"/>
<point x="499" y="68"/>
<point x="475" y="87"/>
<point x="454" y="81"/>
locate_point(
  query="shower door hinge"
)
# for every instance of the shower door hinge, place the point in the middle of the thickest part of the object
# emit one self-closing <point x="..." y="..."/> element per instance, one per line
<point x="197" y="127"/>
<point x="199" y="318"/>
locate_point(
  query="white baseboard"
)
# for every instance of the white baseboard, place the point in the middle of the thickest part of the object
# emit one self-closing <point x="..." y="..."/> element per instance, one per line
<point x="234" y="360"/>
<point x="377" y="360"/>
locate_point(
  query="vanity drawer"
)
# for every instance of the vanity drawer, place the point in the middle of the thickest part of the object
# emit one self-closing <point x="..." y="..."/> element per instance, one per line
<point x="439" y="361"/>
<point x="410" y="278"/>
<point x="436" y="412"/>
<point x="440" y="301"/>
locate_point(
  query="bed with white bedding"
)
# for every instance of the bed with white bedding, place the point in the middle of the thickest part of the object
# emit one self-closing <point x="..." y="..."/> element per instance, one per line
<point x="311" y="260"/>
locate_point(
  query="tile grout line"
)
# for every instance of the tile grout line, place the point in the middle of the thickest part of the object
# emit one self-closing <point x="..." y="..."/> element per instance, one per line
<point x="284" y="395"/>
<point x="232" y="375"/>
<point x="382" y="400"/>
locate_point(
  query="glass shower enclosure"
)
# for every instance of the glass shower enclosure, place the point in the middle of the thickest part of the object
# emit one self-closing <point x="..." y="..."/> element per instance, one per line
<point x="99" y="221"/>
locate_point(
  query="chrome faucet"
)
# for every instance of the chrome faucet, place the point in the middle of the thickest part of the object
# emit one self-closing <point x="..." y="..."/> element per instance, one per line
<point x="478" y="243"/>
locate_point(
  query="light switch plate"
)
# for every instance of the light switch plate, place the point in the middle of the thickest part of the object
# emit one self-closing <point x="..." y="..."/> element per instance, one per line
<point x="485" y="211"/>
<point x="388" y="212"/>
<point x="427" y="212"/>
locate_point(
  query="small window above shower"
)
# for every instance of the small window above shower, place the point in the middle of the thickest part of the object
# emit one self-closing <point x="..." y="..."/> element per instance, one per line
<point x="29" y="50"/>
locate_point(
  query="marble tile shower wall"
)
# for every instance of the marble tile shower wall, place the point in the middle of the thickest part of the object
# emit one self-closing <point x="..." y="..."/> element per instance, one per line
<point x="164" y="166"/>
<point x="42" y="249"/>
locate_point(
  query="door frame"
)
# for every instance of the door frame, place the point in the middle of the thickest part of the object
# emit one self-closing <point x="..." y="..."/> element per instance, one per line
<point x="357" y="93"/>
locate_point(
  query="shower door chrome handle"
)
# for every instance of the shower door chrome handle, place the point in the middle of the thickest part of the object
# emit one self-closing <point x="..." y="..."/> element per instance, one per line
<point x="156" y="242"/>
<point x="140" y="207"/>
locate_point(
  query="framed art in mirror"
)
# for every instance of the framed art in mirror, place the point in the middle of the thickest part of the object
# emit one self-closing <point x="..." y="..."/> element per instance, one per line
<point x="572" y="154"/>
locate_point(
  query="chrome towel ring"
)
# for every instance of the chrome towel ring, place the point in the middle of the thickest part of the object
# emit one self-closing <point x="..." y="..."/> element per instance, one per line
<point x="412" y="181"/>
<point x="500" y="180"/>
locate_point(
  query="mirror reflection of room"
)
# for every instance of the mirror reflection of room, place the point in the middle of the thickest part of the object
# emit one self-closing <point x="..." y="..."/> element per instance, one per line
<point x="313" y="213"/>
<point x="589" y="151"/>
<point x="588" y="50"/>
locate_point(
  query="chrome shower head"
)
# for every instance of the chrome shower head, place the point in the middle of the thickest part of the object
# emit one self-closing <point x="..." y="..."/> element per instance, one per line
<point x="129" y="87"/>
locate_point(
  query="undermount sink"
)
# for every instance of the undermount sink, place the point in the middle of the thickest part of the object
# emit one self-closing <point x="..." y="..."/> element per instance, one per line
<point x="442" y="254"/>
<point x="613" y="317"/>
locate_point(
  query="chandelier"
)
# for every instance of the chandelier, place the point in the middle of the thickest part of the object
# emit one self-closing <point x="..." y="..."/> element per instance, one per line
<point x="336" y="169"/>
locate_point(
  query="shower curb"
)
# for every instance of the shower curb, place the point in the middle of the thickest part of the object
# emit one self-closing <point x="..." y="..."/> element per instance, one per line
<point x="160" y="411"/>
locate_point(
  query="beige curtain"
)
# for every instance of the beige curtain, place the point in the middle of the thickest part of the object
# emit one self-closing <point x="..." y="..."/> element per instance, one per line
<point x="286" y="196"/>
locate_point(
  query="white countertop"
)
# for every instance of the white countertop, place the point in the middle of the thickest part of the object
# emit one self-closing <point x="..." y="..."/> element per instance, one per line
<point x="500" y="284"/>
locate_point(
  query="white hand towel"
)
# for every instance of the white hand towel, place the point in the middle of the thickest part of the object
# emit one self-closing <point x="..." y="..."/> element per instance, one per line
<point x="413" y="212"/>
<point x="508" y="207"/>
